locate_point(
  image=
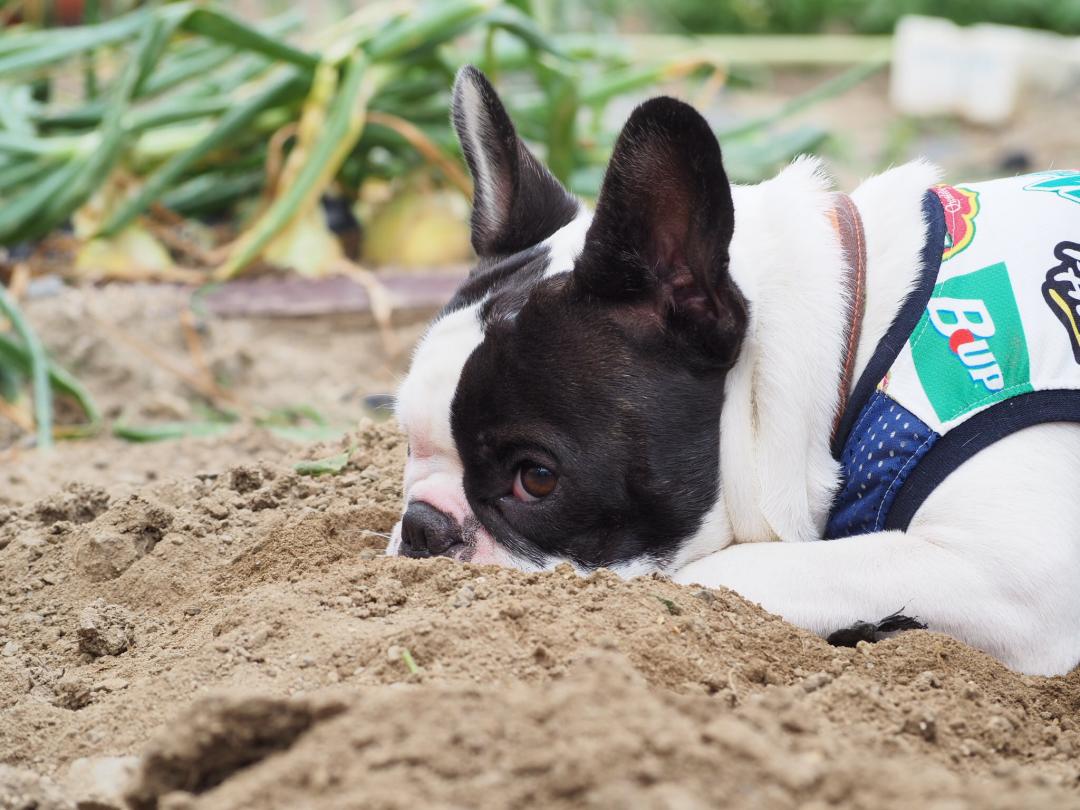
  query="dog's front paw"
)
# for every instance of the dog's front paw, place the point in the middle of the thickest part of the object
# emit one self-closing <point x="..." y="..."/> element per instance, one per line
<point x="873" y="632"/>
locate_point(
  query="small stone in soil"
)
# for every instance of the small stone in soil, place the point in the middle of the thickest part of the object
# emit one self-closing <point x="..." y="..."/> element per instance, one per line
<point x="105" y="629"/>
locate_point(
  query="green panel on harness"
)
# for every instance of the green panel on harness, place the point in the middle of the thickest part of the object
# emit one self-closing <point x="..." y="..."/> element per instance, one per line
<point x="969" y="348"/>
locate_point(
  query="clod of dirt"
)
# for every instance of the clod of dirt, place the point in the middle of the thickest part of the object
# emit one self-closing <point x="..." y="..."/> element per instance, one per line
<point x="99" y="783"/>
<point x="245" y="479"/>
<point x="105" y="629"/>
<point x="23" y="790"/>
<point x="72" y="692"/>
<point x="77" y="503"/>
<point x="119" y="537"/>
<point x="217" y="736"/>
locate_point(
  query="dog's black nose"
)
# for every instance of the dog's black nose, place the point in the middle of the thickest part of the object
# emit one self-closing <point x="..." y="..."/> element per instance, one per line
<point x="427" y="532"/>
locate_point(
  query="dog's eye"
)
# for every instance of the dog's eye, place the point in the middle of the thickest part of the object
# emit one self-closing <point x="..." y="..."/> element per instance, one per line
<point x="533" y="482"/>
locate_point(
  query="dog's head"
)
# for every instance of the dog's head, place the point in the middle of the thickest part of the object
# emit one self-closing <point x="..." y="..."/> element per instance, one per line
<point x="566" y="404"/>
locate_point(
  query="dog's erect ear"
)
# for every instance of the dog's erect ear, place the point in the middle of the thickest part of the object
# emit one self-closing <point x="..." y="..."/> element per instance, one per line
<point x="516" y="201"/>
<point x="663" y="225"/>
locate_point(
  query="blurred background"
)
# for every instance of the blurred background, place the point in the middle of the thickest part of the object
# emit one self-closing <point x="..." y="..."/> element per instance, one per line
<point x="243" y="212"/>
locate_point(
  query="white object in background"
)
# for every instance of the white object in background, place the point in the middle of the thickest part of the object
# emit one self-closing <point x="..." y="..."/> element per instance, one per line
<point x="978" y="72"/>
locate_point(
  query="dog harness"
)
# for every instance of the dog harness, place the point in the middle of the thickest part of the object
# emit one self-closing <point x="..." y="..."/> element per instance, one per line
<point x="987" y="344"/>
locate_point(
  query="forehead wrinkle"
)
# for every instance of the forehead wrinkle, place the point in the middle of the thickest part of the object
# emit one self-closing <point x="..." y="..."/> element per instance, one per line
<point x="508" y="281"/>
<point x="494" y="274"/>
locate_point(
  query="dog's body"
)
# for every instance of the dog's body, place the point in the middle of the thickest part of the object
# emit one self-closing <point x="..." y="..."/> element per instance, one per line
<point x="605" y="390"/>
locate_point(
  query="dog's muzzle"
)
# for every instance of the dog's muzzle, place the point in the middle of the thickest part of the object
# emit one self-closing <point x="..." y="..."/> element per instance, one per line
<point x="428" y="532"/>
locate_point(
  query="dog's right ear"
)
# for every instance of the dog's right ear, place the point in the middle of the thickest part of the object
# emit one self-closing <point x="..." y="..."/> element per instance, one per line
<point x="517" y="203"/>
<point x="662" y="228"/>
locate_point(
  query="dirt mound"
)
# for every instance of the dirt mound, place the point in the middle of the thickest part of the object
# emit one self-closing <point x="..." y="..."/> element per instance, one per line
<point x="218" y="737"/>
<point x="238" y="630"/>
<point x="601" y="736"/>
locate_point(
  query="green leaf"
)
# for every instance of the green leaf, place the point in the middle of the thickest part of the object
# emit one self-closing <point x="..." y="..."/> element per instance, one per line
<point x="22" y="171"/>
<point x="562" y="113"/>
<point x="39" y="367"/>
<point x="114" y="136"/>
<point x="22" y="52"/>
<point x="410" y="662"/>
<point x="522" y="26"/>
<point x="434" y="24"/>
<point x="223" y="28"/>
<point x="212" y="191"/>
<point x="672" y="608"/>
<point x="10" y="383"/>
<point x="18" y="215"/>
<point x="15" y="357"/>
<point x="23" y="144"/>
<point x="331" y="465"/>
<point x="166" y="431"/>
<point x="288" y="85"/>
<point x="184" y="64"/>
<point x="16" y="107"/>
<point x="343" y="127"/>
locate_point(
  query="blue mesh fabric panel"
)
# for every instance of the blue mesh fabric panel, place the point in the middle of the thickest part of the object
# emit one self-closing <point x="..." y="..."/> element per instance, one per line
<point x="885" y="444"/>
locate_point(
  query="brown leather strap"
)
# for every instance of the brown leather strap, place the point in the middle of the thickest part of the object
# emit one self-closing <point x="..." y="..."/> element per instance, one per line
<point x="848" y="225"/>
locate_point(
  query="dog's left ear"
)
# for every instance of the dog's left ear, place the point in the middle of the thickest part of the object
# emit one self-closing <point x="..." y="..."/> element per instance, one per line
<point x="517" y="203"/>
<point x="662" y="228"/>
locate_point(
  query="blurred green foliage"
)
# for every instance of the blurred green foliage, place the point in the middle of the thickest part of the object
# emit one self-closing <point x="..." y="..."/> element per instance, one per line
<point x="863" y="16"/>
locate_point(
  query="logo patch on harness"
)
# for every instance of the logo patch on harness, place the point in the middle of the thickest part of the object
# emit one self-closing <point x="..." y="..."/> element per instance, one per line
<point x="969" y="348"/>
<point x="1061" y="290"/>
<point x="1065" y="184"/>
<point x="961" y="206"/>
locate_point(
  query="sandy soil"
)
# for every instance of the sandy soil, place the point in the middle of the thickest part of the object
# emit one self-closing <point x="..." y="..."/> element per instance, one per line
<point x="125" y="343"/>
<point x="194" y="625"/>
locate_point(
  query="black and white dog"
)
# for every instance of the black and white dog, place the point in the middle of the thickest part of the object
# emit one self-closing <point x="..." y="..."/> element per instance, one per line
<point x="654" y="386"/>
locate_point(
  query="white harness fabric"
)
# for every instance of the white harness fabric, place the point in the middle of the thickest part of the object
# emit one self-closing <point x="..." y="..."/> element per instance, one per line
<point x="991" y="345"/>
<point x="1004" y="316"/>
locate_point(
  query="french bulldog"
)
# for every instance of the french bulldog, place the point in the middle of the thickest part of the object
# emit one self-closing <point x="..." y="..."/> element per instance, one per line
<point x="665" y="383"/>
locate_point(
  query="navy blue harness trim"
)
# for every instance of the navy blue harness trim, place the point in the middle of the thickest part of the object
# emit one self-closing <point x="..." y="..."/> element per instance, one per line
<point x="973" y="435"/>
<point x="903" y="324"/>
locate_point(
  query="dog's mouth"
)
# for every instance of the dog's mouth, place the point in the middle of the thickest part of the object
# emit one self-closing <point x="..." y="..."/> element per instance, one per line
<point x="462" y="552"/>
<point x="475" y="543"/>
<point x="472" y="531"/>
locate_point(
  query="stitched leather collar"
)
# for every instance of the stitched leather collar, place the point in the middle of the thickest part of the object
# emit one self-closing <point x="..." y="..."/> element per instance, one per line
<point x="847" y="223"/>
